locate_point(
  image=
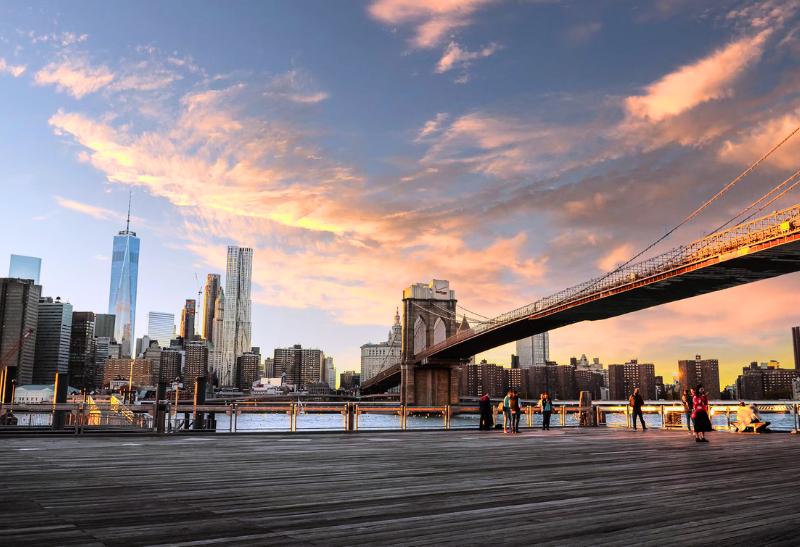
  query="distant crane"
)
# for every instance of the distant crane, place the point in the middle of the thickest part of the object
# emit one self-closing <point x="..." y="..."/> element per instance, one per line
<point x="199" y="288"/>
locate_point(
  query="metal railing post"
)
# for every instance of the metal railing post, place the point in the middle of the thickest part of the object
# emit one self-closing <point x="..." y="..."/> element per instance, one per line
<point x="447" y="417"/>
<point x="563" y="415"/>
<point x="795" y="418"/>
<point x="728" y="416"/>
<point x="230" y="420"/>
<point x="628" y="415"/>
<point x="403" y="417"/>
<point x="355" y="418"/>
<point x="663" y="419"/>
<point x="235" y="416"/>
<point x="530" y="415"/>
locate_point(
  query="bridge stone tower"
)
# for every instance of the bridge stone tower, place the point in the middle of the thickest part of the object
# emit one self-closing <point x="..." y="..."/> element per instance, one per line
<point x="429" y="316"/>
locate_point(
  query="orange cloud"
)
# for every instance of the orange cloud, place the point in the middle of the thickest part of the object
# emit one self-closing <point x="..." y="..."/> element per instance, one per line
<point x="75" y="76"/>
<point x="743" y="149"/>
<point x="455" y="56"/>
<point x="617" y="256"/>
<point x="433" y="19"/>
<point x="705" y="80"/>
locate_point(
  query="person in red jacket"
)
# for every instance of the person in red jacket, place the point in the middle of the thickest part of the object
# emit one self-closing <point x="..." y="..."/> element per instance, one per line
<point x="487" y="420"/>
<point x="700" y="416"/>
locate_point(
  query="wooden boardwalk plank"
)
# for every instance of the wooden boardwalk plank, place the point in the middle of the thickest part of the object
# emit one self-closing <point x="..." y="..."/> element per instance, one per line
<point x="576" y="487"/>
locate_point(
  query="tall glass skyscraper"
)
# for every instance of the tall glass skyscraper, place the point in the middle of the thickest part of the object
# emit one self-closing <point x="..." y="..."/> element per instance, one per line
<point x="534" y="351"/>
<point x="124" y="277"/>
<point x="25" y="267"/>
<point x="161" y="327"/>
<point x="236" y="323"/>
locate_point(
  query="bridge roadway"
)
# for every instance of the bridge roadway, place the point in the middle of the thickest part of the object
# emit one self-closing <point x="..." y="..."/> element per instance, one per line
<point x="563" y="487"/>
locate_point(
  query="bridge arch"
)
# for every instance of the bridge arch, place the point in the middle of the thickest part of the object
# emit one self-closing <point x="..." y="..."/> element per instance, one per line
<point x="420" y="335"/>
<point x="439" y="331"/>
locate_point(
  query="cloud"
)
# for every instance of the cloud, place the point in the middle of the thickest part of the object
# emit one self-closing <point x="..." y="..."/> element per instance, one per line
<point x="744" y="148"/>
<point x="615" y="257"/>
<point x="705" y="80"/>
<point x="93" y="211"/>
<point x="454" y="56"/>
<point x="296" y="86"/>
<point x="14" y="70"/>
<point x="582" y="33"/>
<point x="74" y="75"/>
<point x="433" y="20"/>
<point x="432" y="126"/>
<point x="62" y="39"/>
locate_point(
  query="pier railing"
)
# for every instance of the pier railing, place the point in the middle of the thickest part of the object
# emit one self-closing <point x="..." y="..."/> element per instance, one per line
<point x="264" y="416"/>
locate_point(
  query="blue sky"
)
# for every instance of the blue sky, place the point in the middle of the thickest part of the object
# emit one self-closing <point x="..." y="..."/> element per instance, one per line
<point x="511" y="147"/>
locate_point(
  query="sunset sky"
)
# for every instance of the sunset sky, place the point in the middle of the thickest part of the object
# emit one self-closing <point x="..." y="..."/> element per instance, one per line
<point x="513" y="148"/>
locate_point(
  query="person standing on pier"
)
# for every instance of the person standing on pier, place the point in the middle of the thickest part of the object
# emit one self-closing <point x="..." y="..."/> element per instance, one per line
<point x="516" y="411"/>
<point x="637" y="402"/>
<point x="486" y="413"/>
<point x="702" y="422"/>
<point x="686" y="399"/>
<point x="546" y="407"/>
<point x="507" y="424"/>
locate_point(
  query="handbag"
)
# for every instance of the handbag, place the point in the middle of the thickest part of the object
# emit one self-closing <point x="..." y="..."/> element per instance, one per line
<point x="500" y="407"/>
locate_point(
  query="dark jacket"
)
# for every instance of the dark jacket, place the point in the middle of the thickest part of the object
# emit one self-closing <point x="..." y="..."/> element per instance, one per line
<point x="485" y="404"/>
<point x="515" y="404"/>
<point x="636" y="401"/>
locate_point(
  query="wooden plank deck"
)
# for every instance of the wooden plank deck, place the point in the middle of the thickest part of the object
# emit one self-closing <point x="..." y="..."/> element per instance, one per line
<point x="565" y="487"/>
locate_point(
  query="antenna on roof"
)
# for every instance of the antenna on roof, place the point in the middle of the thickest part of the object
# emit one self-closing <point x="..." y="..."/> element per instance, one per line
<point x="128" y="221"/>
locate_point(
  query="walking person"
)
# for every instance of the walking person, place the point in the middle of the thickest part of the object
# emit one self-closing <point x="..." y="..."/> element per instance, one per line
<point x="637" y="402"/>
<point x="507" y="425"/>
<point x="516" y="411"/>
<point x="686" y="400"/>
<point x="546" y="408"/>
<point x="702" y="421"/>
<point x="485" y="404"/>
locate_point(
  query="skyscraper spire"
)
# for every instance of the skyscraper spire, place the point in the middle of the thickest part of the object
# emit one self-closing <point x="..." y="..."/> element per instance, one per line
<point x="128" y="221"/>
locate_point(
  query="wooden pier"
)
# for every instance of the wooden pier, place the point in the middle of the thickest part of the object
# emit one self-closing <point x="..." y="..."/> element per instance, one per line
<point x="563" y="487"/>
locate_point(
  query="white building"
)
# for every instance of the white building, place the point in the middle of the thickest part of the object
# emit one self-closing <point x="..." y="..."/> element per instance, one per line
<point x="377" y="357"/>
<point x="534" y="351"/>
<point x="236" y="324"/>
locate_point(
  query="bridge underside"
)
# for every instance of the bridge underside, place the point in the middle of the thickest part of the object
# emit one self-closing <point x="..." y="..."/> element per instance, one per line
<point x="684" y="283"/>
<point x="775" y="259"/>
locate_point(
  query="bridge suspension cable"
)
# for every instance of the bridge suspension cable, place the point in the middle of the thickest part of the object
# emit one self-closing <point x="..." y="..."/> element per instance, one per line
<point x="697" y="211"/>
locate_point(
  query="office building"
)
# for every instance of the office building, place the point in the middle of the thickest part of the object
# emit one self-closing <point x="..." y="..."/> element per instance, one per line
<point x="534" y="351"/>
<point x="104" y="349"/>
<point x="766" y="381"/>
<point x="82" y="348"/>
<point x="104" y="325"/>
<point x="329" y="372"/>
<point x="19" y="315"/>
<point x="496" y="380"/>
<point x="25" y="267"/>
<point x="152" y="353"/>
<point x="248" y="365"/>
<point x="169" y="368"/>
<point x="196" y="363"/>
<point x="693" y="372"/>
<point x="349" y="380"/>
<point x="210" y="294"/>
<point x="269" y="367"/>
<point x="54" y="327"/>
<point x="301" y="366"/>
<point x="120" y="373"/>
<point x="187" y="321"/>
<point x="122" y="292"/>
<point x="796" y="347"/>
<point x="380" y="356"/>
<point x="236" y="326"/>
<point x="161" y="327"/>
<point x="623" y="379"/>
<point x="217" y="339"/>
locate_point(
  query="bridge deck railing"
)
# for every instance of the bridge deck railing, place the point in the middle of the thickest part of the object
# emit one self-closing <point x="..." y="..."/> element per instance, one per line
<point x="720" y="243"/>
<point x="263" y="416"/>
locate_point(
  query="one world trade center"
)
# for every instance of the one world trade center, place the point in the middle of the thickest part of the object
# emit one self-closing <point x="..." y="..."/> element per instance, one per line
<point x="122" y="295"/>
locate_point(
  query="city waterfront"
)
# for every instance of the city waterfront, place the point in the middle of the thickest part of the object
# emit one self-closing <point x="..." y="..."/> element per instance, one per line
<point x="574" y="486"/>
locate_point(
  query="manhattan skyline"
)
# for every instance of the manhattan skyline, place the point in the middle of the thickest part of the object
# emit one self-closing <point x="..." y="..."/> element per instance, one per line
<point x="512" y="148"/>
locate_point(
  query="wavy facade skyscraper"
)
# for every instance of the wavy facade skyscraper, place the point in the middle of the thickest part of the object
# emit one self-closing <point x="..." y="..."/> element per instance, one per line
<point x="236" y="323"/>
<point x="124" y="279"/>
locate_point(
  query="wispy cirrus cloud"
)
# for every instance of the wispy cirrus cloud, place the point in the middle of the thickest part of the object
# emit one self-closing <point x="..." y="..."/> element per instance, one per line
<point x="432" y="20"/>
<point x="99" y="213"/>
<point x="710" y="78"/>
<point x="457" y="57"/>
<point x="295" y="86"/>
<point x="14" y="70"/>
<point x="74" y="75"/>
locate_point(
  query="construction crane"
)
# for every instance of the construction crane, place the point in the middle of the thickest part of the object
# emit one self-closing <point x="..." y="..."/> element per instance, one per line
<point x="200" y="287"/>
<point x="6" y="359"/>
